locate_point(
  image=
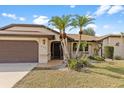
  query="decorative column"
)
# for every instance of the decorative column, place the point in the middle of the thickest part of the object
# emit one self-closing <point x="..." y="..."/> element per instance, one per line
<point x="43" y="50"/>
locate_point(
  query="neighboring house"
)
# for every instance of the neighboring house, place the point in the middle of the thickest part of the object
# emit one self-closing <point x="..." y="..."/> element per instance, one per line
<point x="38" y="43"/>
<point x="117" y="41"/>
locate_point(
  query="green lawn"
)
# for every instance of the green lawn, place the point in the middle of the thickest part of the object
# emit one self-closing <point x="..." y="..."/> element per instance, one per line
<point x="101" y="75"/>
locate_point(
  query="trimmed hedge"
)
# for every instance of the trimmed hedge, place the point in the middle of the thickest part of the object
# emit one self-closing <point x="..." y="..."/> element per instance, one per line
<point x="109" y="52"/>
<point x="118" y="58"/>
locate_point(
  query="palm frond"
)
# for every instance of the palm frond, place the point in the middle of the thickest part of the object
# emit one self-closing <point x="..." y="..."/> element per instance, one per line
<point x="61" y="23"/>
<point x="81" y="21"/>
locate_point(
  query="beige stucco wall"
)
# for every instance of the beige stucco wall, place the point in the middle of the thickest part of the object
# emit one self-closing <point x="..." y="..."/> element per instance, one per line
<point x="111" y="41"/>
<point x="43" y="48"/>
<point x="91" y="49"/>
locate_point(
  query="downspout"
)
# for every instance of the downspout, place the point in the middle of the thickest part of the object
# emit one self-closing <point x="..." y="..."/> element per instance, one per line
<point x="121" y="44"/>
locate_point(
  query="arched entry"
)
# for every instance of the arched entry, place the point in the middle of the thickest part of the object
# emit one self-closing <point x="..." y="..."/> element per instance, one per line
<point x="56" y="50"/>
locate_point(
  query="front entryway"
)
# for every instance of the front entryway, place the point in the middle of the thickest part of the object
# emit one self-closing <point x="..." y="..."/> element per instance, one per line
<point x="56" y="50"/>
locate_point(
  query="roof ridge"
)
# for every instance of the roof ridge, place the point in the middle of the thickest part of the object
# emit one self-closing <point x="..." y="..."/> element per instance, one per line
<point x="83" y="34"/>
<point x="37" y="25"/>
<point x="21" y="31"/>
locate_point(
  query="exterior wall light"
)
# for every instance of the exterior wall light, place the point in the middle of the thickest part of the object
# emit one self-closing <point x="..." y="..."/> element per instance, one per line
<point x="44" y="41"/>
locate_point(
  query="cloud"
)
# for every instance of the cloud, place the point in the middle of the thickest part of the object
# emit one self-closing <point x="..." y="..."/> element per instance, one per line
<point x="108" y="9"/>
<point x="35" y="16"/>
<point x="13" y="16"/>
<point x="72" y="6"/>
<point x="106" y="26"/>
<point x="115" y="9"/>
<point x="41" y="20"/>
<point x="22" y="18"/>
<point x="92" y="26"/>
<point x="115" y="33"/>
<point x="102" y="9"/>
<point x="98" y="34"/>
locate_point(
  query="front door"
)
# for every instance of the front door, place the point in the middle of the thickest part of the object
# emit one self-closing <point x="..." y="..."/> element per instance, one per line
<point x="56" y="50"/>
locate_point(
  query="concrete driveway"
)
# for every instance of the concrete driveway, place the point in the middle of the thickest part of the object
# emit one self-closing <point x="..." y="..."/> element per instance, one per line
<point x="10" y="73"/>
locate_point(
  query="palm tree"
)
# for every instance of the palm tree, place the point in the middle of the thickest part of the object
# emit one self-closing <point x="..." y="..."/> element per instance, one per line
<point x="81" y="22"/>
<point x="61" y="23"/>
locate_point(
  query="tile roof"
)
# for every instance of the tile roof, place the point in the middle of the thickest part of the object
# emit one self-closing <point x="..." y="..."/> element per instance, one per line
<point x="84" y="37"/>
<point x="109" y="35"/>
<point x="27" y="25"/>
<point x="26" y="33"/>
<point x="31" y="33"/>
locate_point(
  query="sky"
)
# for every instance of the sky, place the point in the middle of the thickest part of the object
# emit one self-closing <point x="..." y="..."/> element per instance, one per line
<point x="108" y="19"/>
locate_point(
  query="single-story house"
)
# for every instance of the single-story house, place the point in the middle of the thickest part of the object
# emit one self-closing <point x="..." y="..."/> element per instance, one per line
<point x="38" y="43"/>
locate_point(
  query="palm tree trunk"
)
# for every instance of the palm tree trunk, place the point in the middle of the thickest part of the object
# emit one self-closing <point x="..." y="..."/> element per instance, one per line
<point x="67" y="47"/>
<point x="63" y="50"/>
<point x="63" y="46"/>
<point x="77" y="51"/>
<point x="66" y="44"/>
<point x="66" y="50"/>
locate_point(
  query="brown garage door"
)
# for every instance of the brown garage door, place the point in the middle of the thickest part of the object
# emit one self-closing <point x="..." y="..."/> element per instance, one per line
<point x="18" y="51"/>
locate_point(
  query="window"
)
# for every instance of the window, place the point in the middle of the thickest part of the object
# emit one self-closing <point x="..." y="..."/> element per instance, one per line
<point x="86" y="48"/>
<point x="74" y="46"/>
<point x="81" y="48"/>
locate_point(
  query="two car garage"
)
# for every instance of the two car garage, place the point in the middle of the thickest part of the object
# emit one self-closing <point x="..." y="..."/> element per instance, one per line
<point x="25" y="43"/>
<point x="16" y="51"/>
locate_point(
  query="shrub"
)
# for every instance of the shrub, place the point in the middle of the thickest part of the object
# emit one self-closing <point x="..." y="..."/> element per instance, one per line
<point x="91" y="57"/>
<point x="109" y="52"/>
<point x="98" y="58"/>
<point x="84" y="60"/>
<point x="117" y="57"/>
<point x="72" y="63"/>
<point x="78" y="64"/>
<point x="75" y="65"/>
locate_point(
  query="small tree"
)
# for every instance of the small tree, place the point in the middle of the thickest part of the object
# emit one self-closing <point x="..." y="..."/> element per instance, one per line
<point x="81" y="22"/>
<point x="62" y="23"/>
<point x="109" y="52"/>
<point x="89" y="31"/>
